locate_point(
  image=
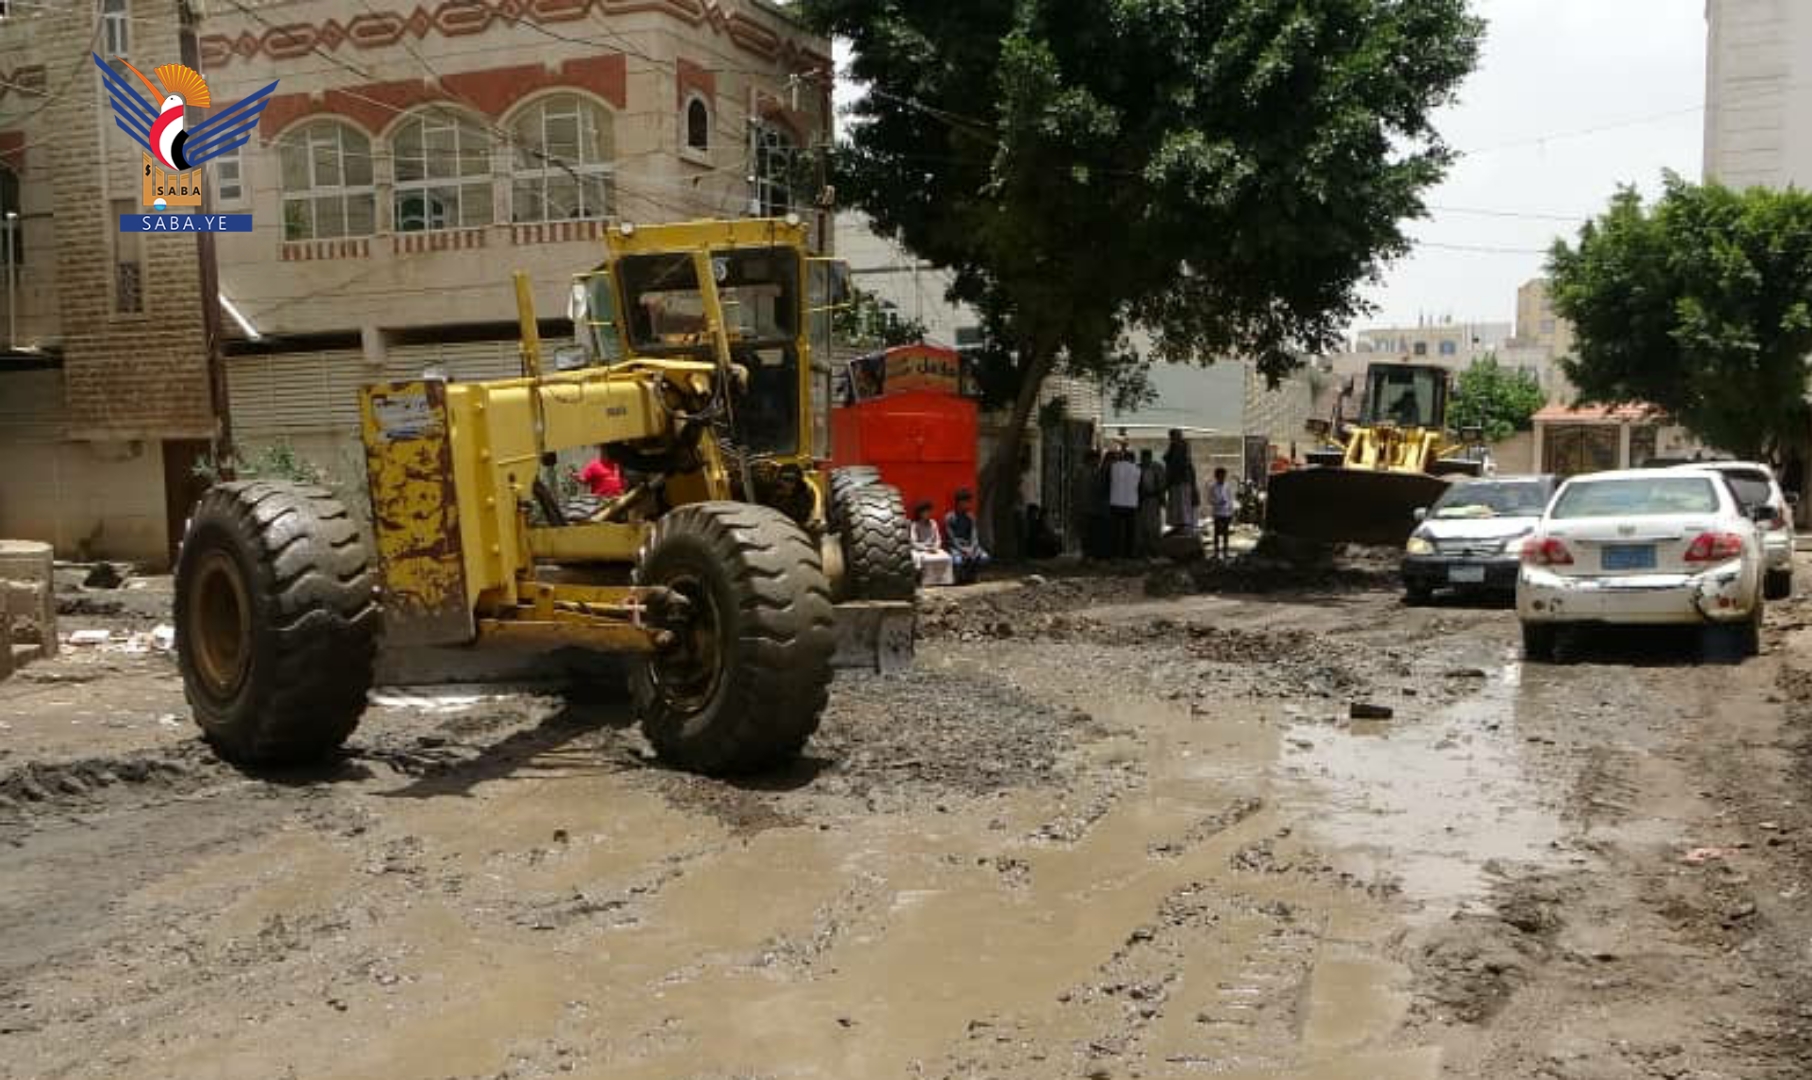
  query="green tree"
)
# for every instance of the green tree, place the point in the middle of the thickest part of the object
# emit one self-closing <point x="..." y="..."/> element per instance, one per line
<point x="1700" y="305"/>
<point x="1499" y="401"/>
<point x="867" y="322"/>
<point x="1221" y="176"/>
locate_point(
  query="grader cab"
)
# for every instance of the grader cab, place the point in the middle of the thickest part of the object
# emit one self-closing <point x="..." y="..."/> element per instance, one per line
<point x="732" y="571"/>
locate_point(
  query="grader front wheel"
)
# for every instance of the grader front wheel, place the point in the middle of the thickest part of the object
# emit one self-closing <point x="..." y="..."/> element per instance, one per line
<point x="747" y="679"/>
<point x="277" y="622"/>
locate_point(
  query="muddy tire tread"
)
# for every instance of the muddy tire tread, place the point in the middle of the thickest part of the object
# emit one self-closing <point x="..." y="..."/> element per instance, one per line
<point x="843" y="481"/>
<point x="777" y="685"/>
<point x="877" y="545"/>
<point x="316" y="621"/>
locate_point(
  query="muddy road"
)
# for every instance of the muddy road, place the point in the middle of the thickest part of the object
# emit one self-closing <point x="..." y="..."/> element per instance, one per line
<point x="1095" y="833"/>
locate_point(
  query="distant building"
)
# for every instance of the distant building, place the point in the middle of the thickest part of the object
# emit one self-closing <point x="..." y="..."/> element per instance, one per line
<point x="1538" y="325"/>
<point x="1449" y="344"/>
<point x="1758" y="93"/>
<point x="1570" y="441"/>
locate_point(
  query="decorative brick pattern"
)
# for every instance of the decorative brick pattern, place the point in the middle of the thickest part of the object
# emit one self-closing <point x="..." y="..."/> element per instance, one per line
<point x="414" y="243"/>
<point x="375" y="106"/>
<point x="460" y="18"/>
<point x="137" y="376"/>
<point x="555" y="232"/>
<point x="693" y="78"/>
<point x="12" y="151"/>
<point x="311" y="250"/>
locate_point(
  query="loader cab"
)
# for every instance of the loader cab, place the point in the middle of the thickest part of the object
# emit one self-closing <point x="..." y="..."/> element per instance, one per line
<point x="1406" y="395"/>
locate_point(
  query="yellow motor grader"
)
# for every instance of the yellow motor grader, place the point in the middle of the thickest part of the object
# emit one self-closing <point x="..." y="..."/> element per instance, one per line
<point x="1399" y="456"/>
<point x="732" y="571"/>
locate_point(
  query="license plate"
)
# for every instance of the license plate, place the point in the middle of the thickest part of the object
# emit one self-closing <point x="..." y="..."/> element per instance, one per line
<point x="1466" y="575"/>
<point x="1629" y="557"/>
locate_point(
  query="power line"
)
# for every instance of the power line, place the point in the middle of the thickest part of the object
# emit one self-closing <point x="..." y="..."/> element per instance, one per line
<point x="1478" y="249"/>
<point x="1580" y="133"/>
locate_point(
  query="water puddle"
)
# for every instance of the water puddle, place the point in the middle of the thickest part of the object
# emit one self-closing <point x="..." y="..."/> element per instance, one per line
<point x="1426" y="801"/>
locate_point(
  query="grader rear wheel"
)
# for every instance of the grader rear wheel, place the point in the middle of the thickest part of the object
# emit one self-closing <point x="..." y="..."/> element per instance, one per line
<point x="277" y="622"/>
<point x="877" y="544"/>
<point x="743" y="688"/>
<point x="848" y="479"/>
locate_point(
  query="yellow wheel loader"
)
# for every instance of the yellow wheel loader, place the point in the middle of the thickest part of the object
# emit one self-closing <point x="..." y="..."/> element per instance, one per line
<point x="727" y="571"/>
<point x="1366" y="487"/>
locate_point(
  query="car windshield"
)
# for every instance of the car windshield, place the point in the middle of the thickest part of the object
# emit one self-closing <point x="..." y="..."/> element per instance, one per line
<point x="1644" y="497"/>
<point x="1492" y="499"/>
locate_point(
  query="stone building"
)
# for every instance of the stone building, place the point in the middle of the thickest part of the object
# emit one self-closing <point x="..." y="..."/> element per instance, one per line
<point x="410" y="157"/>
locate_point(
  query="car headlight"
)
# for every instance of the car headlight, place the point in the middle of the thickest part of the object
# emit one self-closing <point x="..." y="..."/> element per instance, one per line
<point x="1419" y="545"/>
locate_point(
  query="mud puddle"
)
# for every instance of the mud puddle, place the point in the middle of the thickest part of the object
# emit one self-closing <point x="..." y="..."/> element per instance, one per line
<point x="1434" y="798"/>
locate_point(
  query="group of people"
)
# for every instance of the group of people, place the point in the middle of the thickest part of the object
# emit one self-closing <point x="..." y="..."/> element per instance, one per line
<point x="954" y="555"/>
<point x="1126" y="504"/>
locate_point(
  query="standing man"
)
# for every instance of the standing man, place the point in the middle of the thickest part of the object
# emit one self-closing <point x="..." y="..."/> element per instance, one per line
<point x="1123" y="502"/>
<point x="1223" y="504"/>
<point x="1151" y="504"/>
<point x="1179" y="477"/>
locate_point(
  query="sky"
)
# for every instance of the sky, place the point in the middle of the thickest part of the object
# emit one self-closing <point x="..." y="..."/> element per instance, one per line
<point x="1571" y="99"/>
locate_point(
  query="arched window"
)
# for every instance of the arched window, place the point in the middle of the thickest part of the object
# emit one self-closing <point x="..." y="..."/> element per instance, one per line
<point x="327" y="189"/>
<point x="698" y="125"/>
<point x="775" y="153"/>
<point x="443" y="173"/>
<point x="562" y="168"/>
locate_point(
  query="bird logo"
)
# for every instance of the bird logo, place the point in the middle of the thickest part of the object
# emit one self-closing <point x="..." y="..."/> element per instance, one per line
<point x="174" y="140"/>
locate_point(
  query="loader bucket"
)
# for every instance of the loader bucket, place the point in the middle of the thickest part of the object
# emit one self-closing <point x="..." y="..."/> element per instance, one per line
<point x="1348" y="506"/>
<point x="875" y="635"/>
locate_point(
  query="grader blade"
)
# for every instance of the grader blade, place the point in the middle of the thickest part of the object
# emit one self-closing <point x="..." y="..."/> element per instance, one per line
<point x="875" y="635"/>
<point x="1348" y="506"/>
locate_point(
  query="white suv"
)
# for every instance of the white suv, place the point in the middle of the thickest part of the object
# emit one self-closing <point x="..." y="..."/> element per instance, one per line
<point x="1754" y="485"/>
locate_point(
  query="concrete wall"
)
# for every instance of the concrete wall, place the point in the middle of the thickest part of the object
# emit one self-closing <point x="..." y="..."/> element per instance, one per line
<point x="87" y="498"/>
<point x="1515" y="454"/>
<point x="1758" y="92"/>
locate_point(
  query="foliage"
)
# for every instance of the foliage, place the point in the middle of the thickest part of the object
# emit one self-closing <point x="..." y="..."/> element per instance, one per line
<point x="272" y="461"/>
<point x="1700" y="305"/>
<point x="1221" y="176"/>
<point x="1497" y="400"/>
<point x="868" y="322"/>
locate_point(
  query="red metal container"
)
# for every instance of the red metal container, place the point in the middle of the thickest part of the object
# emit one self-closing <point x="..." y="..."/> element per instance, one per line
<point x="923" y="440"/>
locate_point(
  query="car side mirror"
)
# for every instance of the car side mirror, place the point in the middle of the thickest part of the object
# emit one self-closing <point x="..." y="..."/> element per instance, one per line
<point x="1762" y="513"/>
<point x="1793" y="499"/>
<point x="1420" y="513"/>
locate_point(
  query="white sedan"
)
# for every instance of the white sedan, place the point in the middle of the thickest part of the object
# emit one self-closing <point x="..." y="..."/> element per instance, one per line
<point x="1642" y="546"/>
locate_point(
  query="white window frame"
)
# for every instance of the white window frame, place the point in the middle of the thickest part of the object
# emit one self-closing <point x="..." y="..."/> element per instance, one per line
<point x="311" y="134"/>
<point x="233" y="160"/>
<point x="697" y="154"/>
<point x="773" y="194"/>
<point x="116" y="28"/>
<point x="537" y="172"/>
<point x="450" y="194"/>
